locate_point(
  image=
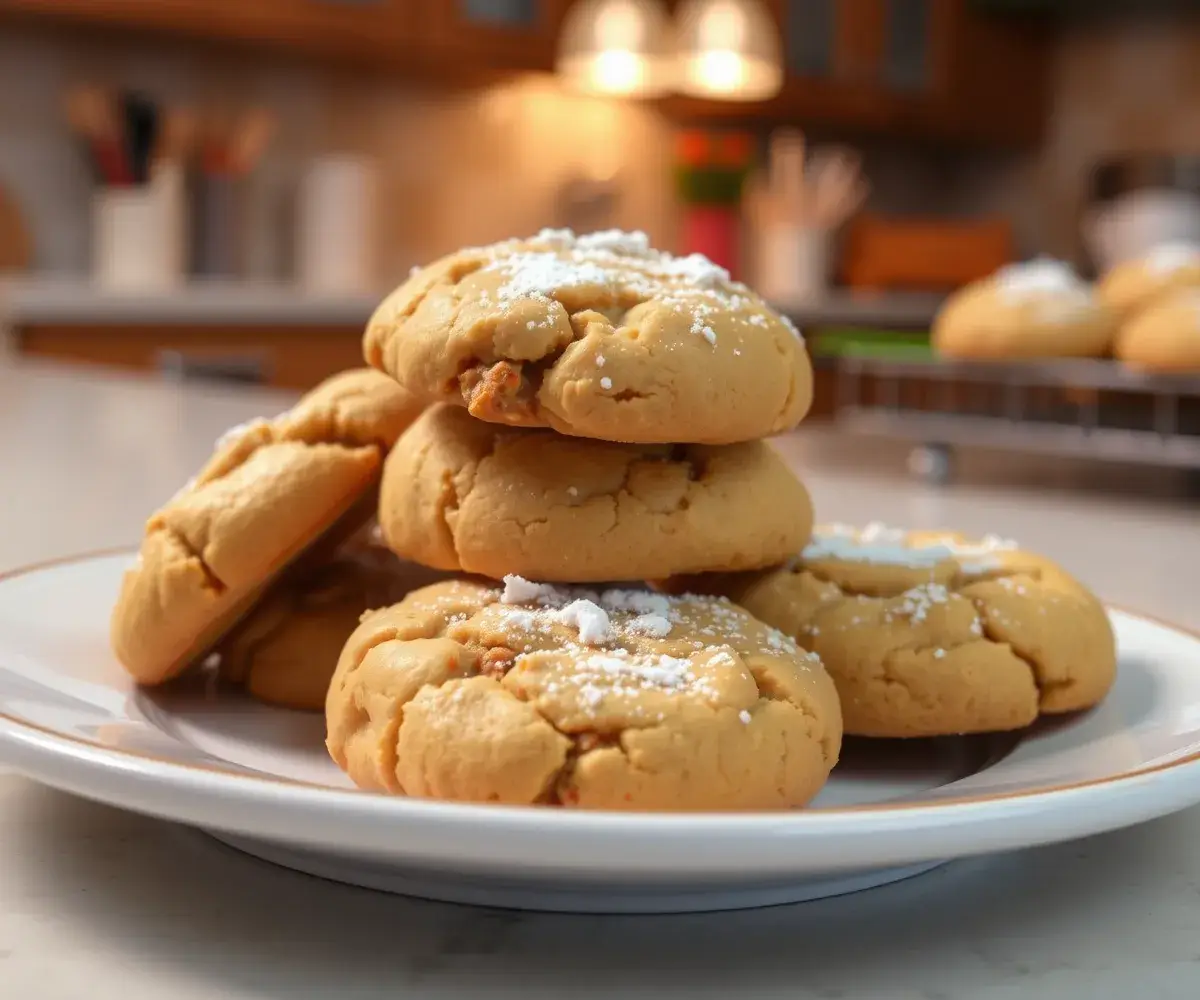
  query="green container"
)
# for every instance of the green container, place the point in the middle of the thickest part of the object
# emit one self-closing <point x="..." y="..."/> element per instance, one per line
<point x="890" y="345"/>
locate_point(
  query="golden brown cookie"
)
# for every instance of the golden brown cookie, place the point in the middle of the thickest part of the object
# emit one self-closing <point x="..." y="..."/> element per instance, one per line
<point x="272" y="490"/>
<point x="622" y="699"/>
<point x="285" y="650"/>
<point x="1135" y="285"/>
<point x="930" y="634"/>
<point x="1038" y="309"/>
<point x="461" y="494"/>
<point x="1164" y="337"/>
<point x="595" y="336"/>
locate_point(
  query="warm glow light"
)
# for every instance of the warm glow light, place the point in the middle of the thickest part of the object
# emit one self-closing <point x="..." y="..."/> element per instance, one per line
<point x="728" y="49"/>
<point x="617" y="71"/>
<point x="721" y="70"/>
<point x="619" y="47"/>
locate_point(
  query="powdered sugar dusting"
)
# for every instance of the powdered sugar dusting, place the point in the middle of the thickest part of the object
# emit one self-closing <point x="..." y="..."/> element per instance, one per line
<point x="704" y="330"/>
<point x="616" y="651"/>
<point x="1038" y="277"/>
<point x="518" y="590"/>
<point x="622" y="265"/>
<point x="643" y="602"/>
<point x="915" y="604"/>
<point x="879" y="544"/>
<point x="1167" y="258"/>
<point x="545" y="274"/>
<point x="655" y="626"/>
<point x="589" y="618"/>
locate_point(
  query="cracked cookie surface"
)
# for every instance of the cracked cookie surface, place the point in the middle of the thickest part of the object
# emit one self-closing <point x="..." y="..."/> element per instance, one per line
<point x="272" y="490"/>
<point x="285" y="650"/>
<point x="615" y="699"/>
<point x="461" y="494"/>
<point x="594" y="336"/>
<point x="931" y="634"/>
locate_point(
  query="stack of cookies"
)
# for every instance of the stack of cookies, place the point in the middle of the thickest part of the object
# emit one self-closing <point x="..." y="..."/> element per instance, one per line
<point x="545" y="426"/>
<point x="596" y="415"/>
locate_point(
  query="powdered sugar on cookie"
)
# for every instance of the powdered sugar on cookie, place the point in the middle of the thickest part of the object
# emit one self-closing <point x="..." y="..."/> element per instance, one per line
<point x="621" y="264"/>
<point x="1167" y="258"/>
<point x="881" y="545"/>
<point x="589" y="618"/>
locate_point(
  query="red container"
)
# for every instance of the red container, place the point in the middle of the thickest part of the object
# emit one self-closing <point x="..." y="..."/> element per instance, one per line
<point x="712" y="230"/>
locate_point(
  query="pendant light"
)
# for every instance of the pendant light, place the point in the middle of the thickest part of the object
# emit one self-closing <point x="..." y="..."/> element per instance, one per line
<point x="621" y="48"/>
<point x="728" y="50"/>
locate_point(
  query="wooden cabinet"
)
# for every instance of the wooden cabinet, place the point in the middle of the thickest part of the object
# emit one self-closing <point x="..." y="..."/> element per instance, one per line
<point x="458" y="37"/>
<point x="286" y="357"/>
<point x="941" y="68"/>
<point x="521" y="33"/>
<point x="346" y="26"/>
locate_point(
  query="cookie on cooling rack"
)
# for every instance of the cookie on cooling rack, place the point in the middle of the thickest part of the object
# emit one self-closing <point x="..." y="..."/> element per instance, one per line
<point x="1038" y="309"/>
<point x="1134" y="285"/>
<point x="1165" y="337"/>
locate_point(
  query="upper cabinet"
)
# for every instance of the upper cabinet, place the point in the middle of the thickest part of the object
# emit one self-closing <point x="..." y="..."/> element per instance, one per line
<point x="457" y="37"/>
<point x="945" y="69"/>
<point x="521" y="33"/>
<point x="940" y="68"/>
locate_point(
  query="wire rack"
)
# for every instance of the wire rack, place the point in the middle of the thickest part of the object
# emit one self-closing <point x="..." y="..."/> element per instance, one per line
<point x="1081" y="408"/>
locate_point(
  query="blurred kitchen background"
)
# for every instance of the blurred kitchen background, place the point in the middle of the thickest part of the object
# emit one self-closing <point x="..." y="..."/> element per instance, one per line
<point x="222" y="189"/>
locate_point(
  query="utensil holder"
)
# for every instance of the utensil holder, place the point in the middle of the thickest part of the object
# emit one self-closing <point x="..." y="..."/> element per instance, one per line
<point x="217" y="221"/>
<point x="138" y="234"/>
<point x="793" y="263"/>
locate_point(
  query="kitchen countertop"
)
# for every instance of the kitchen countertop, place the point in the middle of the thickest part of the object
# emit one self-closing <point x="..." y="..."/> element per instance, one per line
<point x="75" y="301"/>
<point x="72" y="301"/>
<point x="100" y="903"/>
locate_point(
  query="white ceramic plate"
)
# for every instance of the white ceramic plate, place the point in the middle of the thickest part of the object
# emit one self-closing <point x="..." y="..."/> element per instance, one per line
<point x="258" y="778"/>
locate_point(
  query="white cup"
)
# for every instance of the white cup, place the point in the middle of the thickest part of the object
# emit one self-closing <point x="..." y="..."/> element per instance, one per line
<point x="792" y="263"/>
<point x="336" y="233"/>
<point x="137" y="233"/>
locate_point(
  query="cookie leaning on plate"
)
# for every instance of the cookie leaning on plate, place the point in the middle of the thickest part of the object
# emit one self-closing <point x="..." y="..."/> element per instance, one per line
<point x="1038" y="309"/>
<point x="594" y="336"/>
<point x="623" y="699"/>
<point x="931" y="634"/>
<point x="461" y="494"/>
<point x="285" y="650"/>
<point x="272" y="490"/>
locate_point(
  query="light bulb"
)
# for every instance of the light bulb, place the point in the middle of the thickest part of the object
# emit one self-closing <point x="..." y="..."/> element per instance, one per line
<point x="617" y="47"/>
<point x="728" y="50"/>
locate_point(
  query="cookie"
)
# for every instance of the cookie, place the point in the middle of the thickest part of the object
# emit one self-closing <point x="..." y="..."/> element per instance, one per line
<point x="1134" y="285"/>
<point x="595" y="336"/>
<point x="285" y="650"/>
<point x="1038" y="309"/>
<point x="461" y="494"/>
<point x="621" y="699"/>
<point x="930" y="634"/>
<point x="1165" y="337"/>
<point x="272" y="490"/>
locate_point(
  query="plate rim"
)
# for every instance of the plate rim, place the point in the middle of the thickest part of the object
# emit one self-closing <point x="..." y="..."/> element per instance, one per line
<point x="47" y="743"/>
